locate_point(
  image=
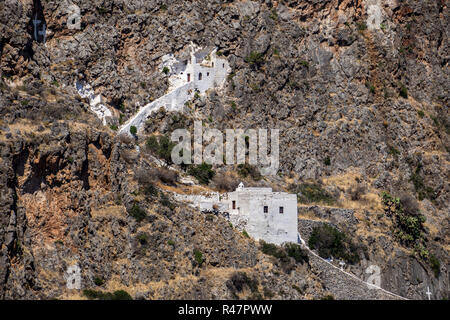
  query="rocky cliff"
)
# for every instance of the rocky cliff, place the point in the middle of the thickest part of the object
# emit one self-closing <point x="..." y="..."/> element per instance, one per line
<point x="358" y="89"/>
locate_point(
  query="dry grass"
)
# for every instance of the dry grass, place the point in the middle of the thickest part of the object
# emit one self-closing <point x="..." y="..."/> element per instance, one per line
<point x="370" y="200"/>
<point x="112" y="210"/>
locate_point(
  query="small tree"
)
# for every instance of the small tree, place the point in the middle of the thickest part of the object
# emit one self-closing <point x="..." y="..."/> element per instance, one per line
<point x="133" y="130"/>
<point x="202" y="172"/>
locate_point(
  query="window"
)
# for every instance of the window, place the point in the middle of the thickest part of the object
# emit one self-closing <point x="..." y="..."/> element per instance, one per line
<point x="207" y="74"/>
<point x="200" y="76"/>
<point x="223" y="65"/>
<point x="281" y="209"/>
<point x="266" y="209"/>
<point x="189" y="77"/>
<point x="234" y="204"/>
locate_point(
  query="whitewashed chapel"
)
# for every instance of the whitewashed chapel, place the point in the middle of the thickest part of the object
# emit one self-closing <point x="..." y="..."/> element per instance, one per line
<point x="264" y="214"/>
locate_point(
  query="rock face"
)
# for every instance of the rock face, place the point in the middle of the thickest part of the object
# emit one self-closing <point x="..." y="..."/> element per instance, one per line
<point x="353" y="87"/>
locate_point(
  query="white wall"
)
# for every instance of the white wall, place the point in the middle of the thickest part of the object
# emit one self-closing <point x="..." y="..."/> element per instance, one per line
<point x="273" y="226"/>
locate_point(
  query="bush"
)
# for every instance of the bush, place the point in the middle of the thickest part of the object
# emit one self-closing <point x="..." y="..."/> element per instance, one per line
<point x="162" y="147"/>
<point x="166" y="70"/>
<point x="245" y="170"/>
<point x="198" y="257"/>
<point x="330" y="242"/>
<point x="327" y="161"/>
<point x="133" y="130"/>
<point x="171" y="243"/>
<point x="274" y="15"/>
<point x="435" y="265"/>
<point x="312" y="193"/>
<point x="122" y="295"/>
<point x="99" y="281"/>
<point x="295" y="251"/>
<point x="272" y="250"/>
<point x="408" y="226"/>
<point x="152" y="144"/>
<point x="99" y="295"/>
<point x="150" y="190"/>
<point x="245" y="234"/>
<point x="423" y="191"/>
<point x="255" y="59"/>
<point x="165" y="201"/>
<point x="136" y="212"/>
<point x="403" y="92"/>
<point x="142" y="238"/>
<point x="202" y="172"/>
<point x="166" y="176"/>
<point x="224" y="182"/>
<point x="239" y="281"/>
<point x="356" y="192"/>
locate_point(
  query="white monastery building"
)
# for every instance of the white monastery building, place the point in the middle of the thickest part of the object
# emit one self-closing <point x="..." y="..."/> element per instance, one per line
<point x="264" y="214"/>
<point x="202" y="70"/>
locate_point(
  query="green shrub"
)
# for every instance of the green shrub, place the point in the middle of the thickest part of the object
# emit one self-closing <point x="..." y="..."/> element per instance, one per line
<point x="312" y="193"/>
<point x="165" y="201"/>
<point x="151" y="190"/>
<point x="274" y="15"/>
<point x="171" y="243"/>
<point x="142" y="238"/>
<point x="361" y="26"/>
<point x="296" y="288"/>
<point x="114" y="127"/>
<point x="295" y="251"/>
<point x="403" y="92"/>
<point x="162" y="147"/>
<point x="421" y="113"/>
<point x="102" y="10"/>
<point x="435" y="265"/>
<point x="198" y="257"/>
<point x="152" y="144"/>
<point x="92" y="294"/>
<point x="393" y="151"/>
<point x="99" y="295"/>
<point x="202" y="172"/>
<point x="272" y="250"/>
<point x="165" y="70"/>
<point x="245" y="234"/>
<point x="423" y="191"/>
<point x="245" y="170"/>
<point x="408" y="226"/>
<point x="328" y="297"/>
<point x="303" y="63"/>
<point x="327" y="161"/>
<point x="330" y="242"/>
<point x="255" y="59"/>
<point x="133" y="130"/>
<point x="122" y="295"/>
<point x="137" y="213"/>
<point x="239" y="281"/>
<point x="99" y="281"/>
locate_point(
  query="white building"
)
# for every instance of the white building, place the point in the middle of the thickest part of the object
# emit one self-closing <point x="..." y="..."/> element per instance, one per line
<point x="198" y="72"/>
<point x="270" y="216"/>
